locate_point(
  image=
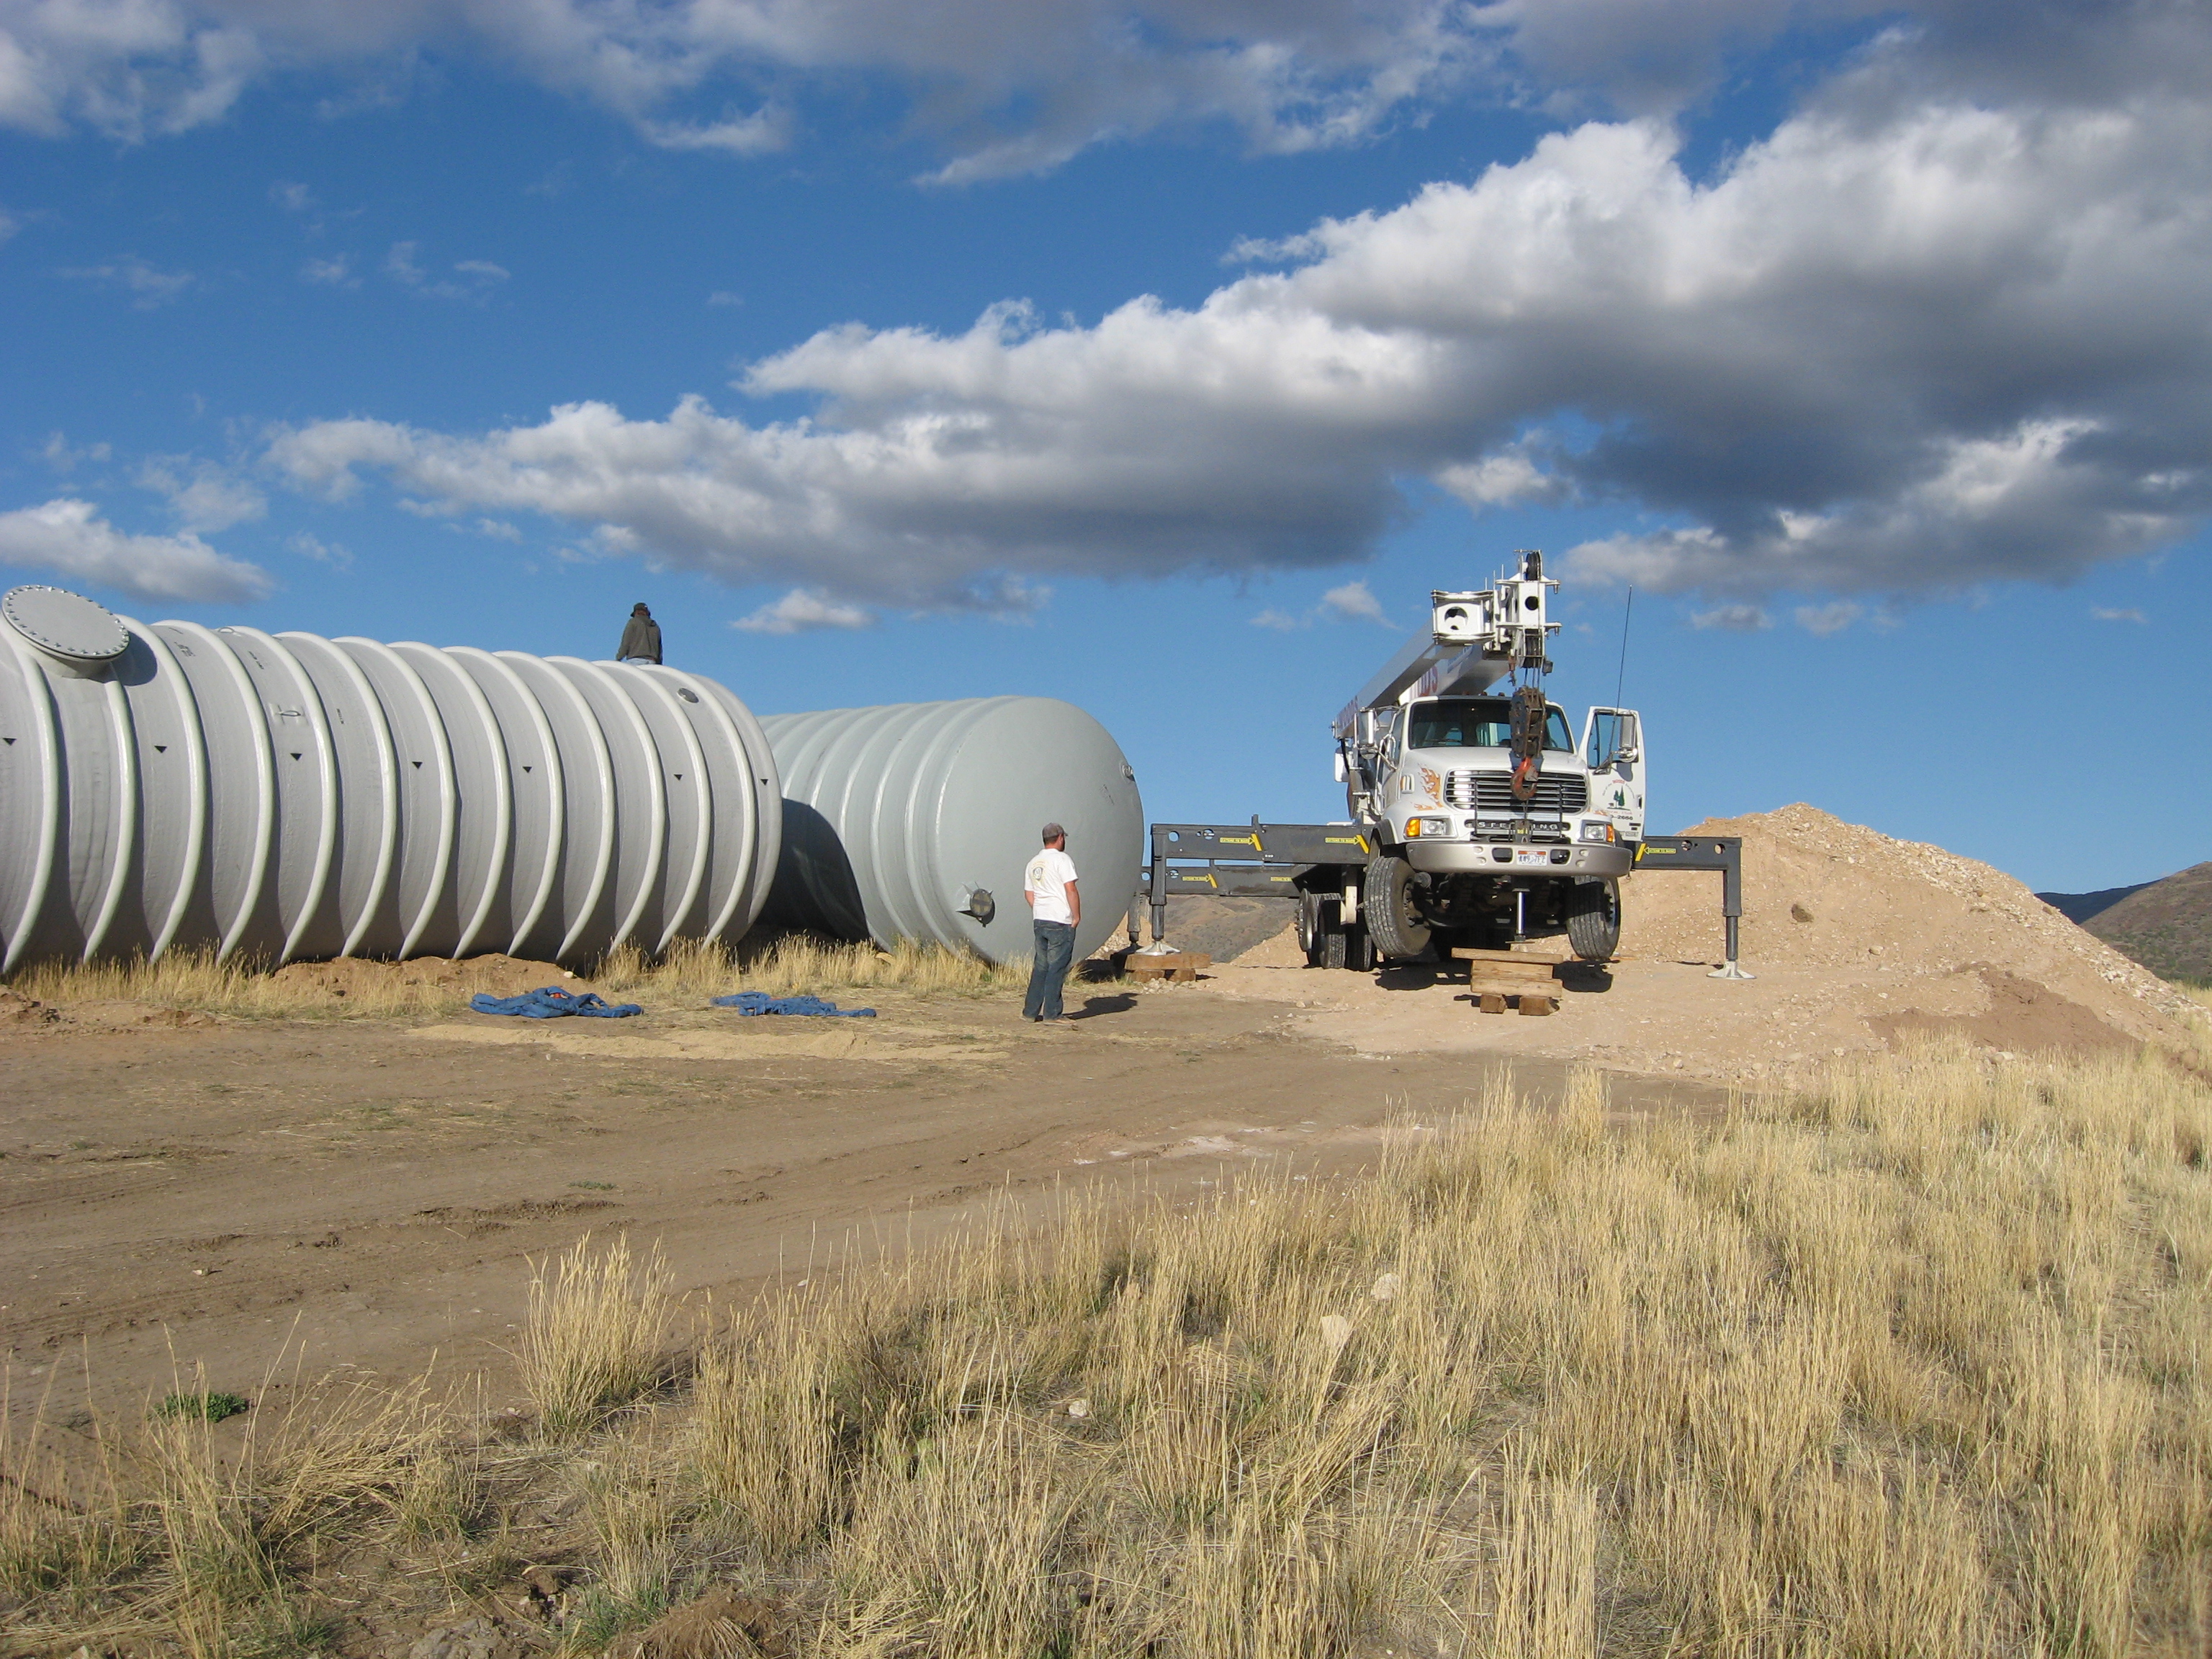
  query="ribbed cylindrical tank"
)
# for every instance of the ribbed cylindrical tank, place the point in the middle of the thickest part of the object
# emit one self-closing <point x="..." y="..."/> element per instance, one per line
<point x="278" y="796"/>
<point x="917" y="820"/>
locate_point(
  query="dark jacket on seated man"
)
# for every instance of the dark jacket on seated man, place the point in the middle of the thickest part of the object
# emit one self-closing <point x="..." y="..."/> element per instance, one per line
<point x="641" y="636"/>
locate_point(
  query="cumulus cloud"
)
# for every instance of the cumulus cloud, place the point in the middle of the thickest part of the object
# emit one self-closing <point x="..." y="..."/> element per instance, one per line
<point x="1885" y="350"/>
<point x="801" y="611"/>
<point x="1010" y="87"/>
<point x="202" y="494"/>
<point x="2129" y="614"/>
<point x="69" y="538"/>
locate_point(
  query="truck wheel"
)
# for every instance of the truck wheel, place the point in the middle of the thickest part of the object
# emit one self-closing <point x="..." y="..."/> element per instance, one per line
<point x="1345" y="946"/>
<point x="1387" y="903"/>
<point x="1310" y="928"/>
<point x="1594" y="919"/>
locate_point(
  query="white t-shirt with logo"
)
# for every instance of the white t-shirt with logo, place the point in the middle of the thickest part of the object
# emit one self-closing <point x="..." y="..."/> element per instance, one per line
<point x="1046" y="880"/>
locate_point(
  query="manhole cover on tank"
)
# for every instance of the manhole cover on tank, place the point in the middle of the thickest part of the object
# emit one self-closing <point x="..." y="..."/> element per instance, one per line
<point x="68" y="624"/>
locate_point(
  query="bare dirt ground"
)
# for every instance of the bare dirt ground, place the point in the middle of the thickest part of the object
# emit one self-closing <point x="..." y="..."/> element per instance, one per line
<point x="372" y="1188"/>
<point x="179" y="1190"/>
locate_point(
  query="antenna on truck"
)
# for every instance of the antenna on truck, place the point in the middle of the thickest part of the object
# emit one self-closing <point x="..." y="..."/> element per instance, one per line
<point x="1622" y="681"/>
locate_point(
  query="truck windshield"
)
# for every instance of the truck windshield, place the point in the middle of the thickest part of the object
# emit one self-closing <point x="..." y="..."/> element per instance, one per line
<point x="1475" y="723"/>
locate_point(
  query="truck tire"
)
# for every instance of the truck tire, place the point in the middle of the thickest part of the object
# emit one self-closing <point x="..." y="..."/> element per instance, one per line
<point x="1386" y="904"/>
<point x="1343" y="946"/>
<point x="1594" y="919"/>
<point x="1311" y="927"/>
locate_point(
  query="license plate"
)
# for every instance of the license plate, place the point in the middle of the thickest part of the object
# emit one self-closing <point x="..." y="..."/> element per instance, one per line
<point x="1531" y="855"/>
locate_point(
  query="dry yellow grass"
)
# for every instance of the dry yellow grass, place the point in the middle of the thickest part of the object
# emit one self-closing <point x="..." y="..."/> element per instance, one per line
<point x="690" y="972"/>
<point x="597" y="1336"/>
<point x="1909" y="1364"/>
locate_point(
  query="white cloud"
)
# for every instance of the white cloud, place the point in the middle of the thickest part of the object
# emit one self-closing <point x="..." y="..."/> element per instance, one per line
<point x="2127" y="615"/>
<point x="722" y="296"/>
<point x="498" y="529"/>
<point x="334" y="272"/>
<point x="202" y="494"/>
<point x="401" y="266"/>
<point x="801" y="611"/>
<point x="58" y="454"/>
<point x="1281" y="621"/>
<point x="148" y="285"/>
<point x="1733" y="618"/>
<point x="1898" y="346"/>
<point x="9" y="224"/>
<point x="404" y="266"/>
<point x="70" y="539"/>
<point x="757" y="134"/>
<point x="1354" y="602"/>
<point x="314" y="547"/>
<point x="1508" y="478"/>
<point x="292" y="197"/>
<point x="1830" y="618"/>
<point x="1007" y="89"/>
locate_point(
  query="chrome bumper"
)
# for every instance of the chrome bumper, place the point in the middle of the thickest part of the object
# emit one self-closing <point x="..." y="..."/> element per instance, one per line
<point x="1453" y="858"/>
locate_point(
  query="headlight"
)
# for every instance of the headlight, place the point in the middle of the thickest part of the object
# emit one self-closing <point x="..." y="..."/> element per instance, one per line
<point x="1600" y="830"/>
<point x="1416" y="827"/>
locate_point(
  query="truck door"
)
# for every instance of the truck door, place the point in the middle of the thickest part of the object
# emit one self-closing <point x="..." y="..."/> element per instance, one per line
<point x="1612" y="749"/>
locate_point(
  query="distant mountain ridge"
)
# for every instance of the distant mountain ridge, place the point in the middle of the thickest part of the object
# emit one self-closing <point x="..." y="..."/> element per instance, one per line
<point x="2080" y="906"/>
<point x="2164" y="925"/>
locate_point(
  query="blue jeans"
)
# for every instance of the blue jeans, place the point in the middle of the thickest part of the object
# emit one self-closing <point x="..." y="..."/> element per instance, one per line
<point x="1056" y="949"/>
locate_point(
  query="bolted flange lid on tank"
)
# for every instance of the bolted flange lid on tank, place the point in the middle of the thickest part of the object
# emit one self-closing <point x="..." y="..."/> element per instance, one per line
<point x="68" y="625"/>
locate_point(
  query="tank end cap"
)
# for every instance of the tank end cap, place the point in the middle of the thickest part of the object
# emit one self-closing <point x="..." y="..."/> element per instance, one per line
<point x="80" y="632"/>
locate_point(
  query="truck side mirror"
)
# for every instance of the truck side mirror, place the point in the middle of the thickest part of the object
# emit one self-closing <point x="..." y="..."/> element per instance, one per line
<point x="1627" y="752"/>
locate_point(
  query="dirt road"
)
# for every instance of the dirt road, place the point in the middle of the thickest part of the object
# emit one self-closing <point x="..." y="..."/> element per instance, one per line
<point x="373" y="1189"/>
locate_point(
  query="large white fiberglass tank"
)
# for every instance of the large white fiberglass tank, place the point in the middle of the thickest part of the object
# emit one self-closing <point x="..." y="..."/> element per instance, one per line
<point x="279" y="797"/>
<point x="916" y="820"/>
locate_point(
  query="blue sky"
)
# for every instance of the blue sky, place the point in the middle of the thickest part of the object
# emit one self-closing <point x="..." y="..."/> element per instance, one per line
<point x="1870" y="344"/>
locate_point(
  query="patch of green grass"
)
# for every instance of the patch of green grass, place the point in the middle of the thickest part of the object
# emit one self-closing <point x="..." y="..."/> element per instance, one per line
<point x="211" y="1407"/>
<point x="594" y="1186"/>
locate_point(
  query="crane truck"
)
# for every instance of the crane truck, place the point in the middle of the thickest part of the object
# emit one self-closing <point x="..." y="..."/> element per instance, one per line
<point x="1476" y="817"/>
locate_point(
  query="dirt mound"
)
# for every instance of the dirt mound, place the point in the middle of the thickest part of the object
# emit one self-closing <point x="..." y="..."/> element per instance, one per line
<point x="354" y="977"/>
<point x="1821" y="894"/>
<point x="1278" y="950"/>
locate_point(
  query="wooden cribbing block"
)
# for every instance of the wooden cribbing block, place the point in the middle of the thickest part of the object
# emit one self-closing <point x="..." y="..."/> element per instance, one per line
<point x="1539" y="1004"/>
<point x="1491" y="1002"/>
<point x="1166" y="964"/>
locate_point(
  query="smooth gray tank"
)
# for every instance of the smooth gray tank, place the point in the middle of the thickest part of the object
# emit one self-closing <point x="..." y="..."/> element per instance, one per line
<point x="284" y="796"/>
<point x="917" y="820"/>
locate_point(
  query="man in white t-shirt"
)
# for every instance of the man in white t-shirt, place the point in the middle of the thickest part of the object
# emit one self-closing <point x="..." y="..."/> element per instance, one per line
<point x="1055" y="910"/>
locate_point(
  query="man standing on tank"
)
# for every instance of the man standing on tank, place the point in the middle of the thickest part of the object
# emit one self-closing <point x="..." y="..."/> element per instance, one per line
<point x="1055" y="910"/>
<point x="640" y="637"/>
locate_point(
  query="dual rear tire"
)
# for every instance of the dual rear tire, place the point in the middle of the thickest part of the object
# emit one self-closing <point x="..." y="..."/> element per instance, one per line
<point x="1327" y="941"/>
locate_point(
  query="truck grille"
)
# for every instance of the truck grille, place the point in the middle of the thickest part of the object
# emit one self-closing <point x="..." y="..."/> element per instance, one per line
<point x="1491" y="793"/>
